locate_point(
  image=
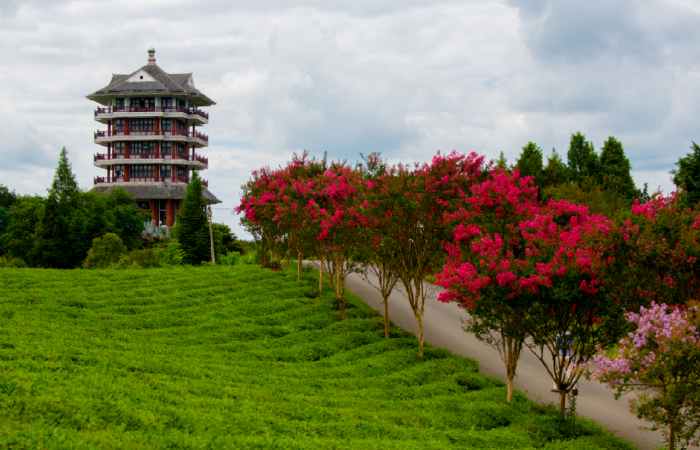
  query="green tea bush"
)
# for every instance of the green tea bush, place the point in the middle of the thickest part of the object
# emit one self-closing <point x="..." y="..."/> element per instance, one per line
<point x="237" y="357"/>
<point x="105" y="251"/>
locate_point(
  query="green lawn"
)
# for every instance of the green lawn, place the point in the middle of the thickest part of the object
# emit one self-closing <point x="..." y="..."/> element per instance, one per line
<point x="236" y="357"/>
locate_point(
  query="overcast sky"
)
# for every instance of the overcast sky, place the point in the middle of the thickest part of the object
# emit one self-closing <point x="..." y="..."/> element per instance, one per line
<point x="406" y="78"/>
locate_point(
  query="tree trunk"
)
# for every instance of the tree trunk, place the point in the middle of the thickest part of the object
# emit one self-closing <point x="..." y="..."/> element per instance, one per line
<point x="510" y="388"/>
<point x="671" y="437"/>
<point x="420" y="336"/>
<point x="299" y="255"/>
<point x="562" y="400"/>
<point x="386" y="317"/>
<point x="320" y="277"/>
<point x="340" y="293"/>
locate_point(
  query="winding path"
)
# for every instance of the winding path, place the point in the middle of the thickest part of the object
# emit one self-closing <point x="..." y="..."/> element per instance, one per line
<point x="442" y="327"/>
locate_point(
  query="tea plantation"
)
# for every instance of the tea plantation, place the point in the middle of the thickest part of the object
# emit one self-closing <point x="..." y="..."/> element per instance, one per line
<point x="238" y="357"/>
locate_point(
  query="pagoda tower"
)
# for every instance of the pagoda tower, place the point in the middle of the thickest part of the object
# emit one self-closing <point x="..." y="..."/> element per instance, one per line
<point x="152" y="138"/>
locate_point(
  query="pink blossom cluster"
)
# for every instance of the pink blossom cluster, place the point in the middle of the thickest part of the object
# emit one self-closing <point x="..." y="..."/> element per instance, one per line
<point x="664" y="337"/>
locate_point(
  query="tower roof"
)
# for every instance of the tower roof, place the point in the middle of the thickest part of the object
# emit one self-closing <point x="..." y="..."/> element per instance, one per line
<point x="151" y="79"/>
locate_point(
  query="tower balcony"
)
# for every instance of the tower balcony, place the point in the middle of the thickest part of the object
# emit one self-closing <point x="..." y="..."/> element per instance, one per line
<point x="194" y="115"/>
<point x="197" y="139"/>
<point x="127" y="181"/>
<point x="195" y="161"/>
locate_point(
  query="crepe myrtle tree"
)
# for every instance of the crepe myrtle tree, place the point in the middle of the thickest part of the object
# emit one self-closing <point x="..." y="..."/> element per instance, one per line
<point x="496" y="208"/>
<point x="662" y="242"/>
<point x="376" y="257"/>
<point x="299" y="175"/>
<point x="556" y="287"/>
<point x="414" y="202"/>
<point x="660" y="361"/>
<point x="336" y="220"/>
<point x="259" y="201"/>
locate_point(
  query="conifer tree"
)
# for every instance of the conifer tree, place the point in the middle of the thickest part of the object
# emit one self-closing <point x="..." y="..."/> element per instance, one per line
<point x="59" y="234"/>
<point x="687" y="176"/>
<point x="615" y="170"/>
<point x="555" y="172"/>
<point x="582" y="159"/>
<point x="192" y="230"/>
<point x="502" y="162"/>
<point x="530" y="162"/>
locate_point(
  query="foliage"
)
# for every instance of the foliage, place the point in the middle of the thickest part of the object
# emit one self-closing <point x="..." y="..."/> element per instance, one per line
<point x="225" y="240"/>
<point x="687" y="175"/>
<point x="105" y="251"/>
<point x="660" y="361"/>
<point x="192" y="229"/>
<point x="231" y="259"/>
<point x="237" y="357"/>
<point x="12" y="263"/>
<point x="529" y="163"/>
<point x="555" y="172"/>
<point x="582" y="160"/>
<point x="145" y="258"/>
<point x="7" y="197"/>
<point x="592" y="195"/>
<point x="496" y="207"/>
<point x="171" y="254"/>
<point x="550" y="274"/>
<point x="415" y="203"/>
<point x="19" y="239"/>
<point x="615" y="169"/>
<point x="661" y="245"/>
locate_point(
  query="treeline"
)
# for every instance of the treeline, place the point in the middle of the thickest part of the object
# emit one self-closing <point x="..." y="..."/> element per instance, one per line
<point x="59" y="230"/>
<point x="563" y="259"/>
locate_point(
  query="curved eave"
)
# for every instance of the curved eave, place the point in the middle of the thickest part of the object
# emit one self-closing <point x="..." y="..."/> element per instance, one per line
<point x="194" y="99"/>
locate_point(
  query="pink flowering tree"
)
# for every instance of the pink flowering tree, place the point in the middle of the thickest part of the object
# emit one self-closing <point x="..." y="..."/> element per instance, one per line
<point x="660" y="361"/>
<point x="553" y="281"/>
<point x="495" y="207"/>
<point x="412" y="205"/>
<point x="329" y="213"/>
<point x="662" y="243"/>
<point x="261" y="195"/>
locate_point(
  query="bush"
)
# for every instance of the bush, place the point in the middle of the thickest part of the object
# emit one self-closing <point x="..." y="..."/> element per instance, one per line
<point x="145" y="258"/>
<point x="105" y="251"/>
<point x="170" y="255"/>
<point x="231" y="259"/>
<point x="16" y="263"/>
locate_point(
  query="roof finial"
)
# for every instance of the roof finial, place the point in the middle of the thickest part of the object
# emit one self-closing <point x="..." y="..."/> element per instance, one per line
<point x="151" y="56"/>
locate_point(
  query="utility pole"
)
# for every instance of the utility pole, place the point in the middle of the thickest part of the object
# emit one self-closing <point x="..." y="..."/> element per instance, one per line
<point x="211" y="236"/>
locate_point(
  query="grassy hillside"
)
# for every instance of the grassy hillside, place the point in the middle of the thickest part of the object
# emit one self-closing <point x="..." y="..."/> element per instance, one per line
<point x="236" y="357"/>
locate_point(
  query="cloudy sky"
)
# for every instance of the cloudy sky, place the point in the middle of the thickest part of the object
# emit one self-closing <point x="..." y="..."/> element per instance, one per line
<point x="404" y="77"/>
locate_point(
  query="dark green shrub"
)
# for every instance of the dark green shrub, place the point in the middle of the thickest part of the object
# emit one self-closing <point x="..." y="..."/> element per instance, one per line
<point x="105" y="251"/>
<point x="145" y="258"/>
<point x="170" y="255"/>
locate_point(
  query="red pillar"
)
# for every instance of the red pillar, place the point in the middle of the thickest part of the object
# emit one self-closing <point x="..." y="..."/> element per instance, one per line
<point x="156" y="172"/>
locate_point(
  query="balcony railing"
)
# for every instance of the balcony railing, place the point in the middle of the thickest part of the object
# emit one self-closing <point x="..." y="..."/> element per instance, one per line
<point x="195" y="135"/>
<point x="153" y="179"/>
<point x="148" y="109"/>
<point x="183" y="156"/>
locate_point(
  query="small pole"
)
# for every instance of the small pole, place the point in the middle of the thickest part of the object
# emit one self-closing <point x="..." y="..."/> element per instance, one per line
<point x="211" y="236"/>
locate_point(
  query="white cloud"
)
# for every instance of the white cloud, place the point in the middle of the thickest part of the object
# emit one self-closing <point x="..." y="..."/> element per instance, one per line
<point x="404" y="77"/>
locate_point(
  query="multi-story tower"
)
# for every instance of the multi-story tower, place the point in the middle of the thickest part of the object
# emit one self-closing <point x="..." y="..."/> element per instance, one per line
<point x="152" y="138"/>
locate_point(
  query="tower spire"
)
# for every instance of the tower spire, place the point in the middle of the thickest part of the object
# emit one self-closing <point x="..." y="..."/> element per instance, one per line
<point x="151" y="56"/>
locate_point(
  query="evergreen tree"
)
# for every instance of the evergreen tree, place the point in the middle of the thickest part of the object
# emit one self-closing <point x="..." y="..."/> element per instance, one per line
<point x="502" y="162"/>
<point x="192" y="230"/>
<point x="60" y="232"/>
<point x="555" y="172"/>
<point x="530" y="162"/>
<point x="615" y="170"/>
<point x="582" y="159"/>
<point x="687" y="176"/>
<point x="20" y="236"/>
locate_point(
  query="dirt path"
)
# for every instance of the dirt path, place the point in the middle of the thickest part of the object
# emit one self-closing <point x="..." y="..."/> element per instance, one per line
<point x="443" y="328"/>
